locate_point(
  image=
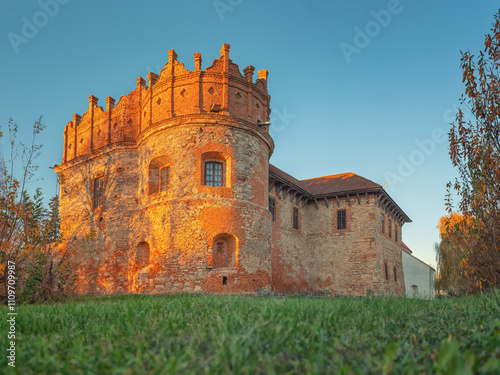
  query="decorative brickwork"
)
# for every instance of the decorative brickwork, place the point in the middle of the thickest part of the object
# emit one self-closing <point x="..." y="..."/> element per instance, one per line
<point x="168" y="192"/>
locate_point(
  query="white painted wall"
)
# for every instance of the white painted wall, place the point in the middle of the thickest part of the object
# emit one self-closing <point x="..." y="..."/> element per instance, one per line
<point x="419" y="277"/>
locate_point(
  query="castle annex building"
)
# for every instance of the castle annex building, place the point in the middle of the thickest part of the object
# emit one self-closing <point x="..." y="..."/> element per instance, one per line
<point x="171" y="191"/>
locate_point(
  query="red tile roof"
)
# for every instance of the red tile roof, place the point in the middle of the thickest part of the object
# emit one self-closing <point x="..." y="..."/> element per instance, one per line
<point x="285" y="176"/>
<point x="338" y="183"/>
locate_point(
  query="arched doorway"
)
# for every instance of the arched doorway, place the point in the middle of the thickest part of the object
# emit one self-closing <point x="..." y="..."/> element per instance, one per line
<point x="225" y="251"/>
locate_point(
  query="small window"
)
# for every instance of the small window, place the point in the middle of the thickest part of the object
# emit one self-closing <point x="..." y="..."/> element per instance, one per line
<point x="341" y="219"/>
<point x="414" y="290"/>
<point x="386" y="269"/>
<point x="224" y="280"/>
<point x="98" y="192"/>
<point x="395" y="274"/>
<point x="213" y="174"/>
<point x="164" y="178"/>
<point x="272" y="207"/>
<point x="396" y="233"/>
<point x="296" y="218"/>
<point x="382" y="218"/>
<point x="390" y="228"/>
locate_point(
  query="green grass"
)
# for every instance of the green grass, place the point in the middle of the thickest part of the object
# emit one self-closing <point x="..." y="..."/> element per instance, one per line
<point x="247" y="335"/>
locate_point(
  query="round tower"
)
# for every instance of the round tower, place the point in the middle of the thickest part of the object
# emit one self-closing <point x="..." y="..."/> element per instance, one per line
<point x="203" y="151"/>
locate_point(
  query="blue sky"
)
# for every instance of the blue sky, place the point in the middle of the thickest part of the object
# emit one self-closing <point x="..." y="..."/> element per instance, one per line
<point x="367" y="87"/>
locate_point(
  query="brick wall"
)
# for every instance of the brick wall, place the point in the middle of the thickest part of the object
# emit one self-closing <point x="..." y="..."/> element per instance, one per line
<point x="143" y="239"/>
<point x="136" y="236"/>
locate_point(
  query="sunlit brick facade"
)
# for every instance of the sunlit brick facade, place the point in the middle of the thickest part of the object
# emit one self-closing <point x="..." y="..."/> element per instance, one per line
<point x="171" y="191"/>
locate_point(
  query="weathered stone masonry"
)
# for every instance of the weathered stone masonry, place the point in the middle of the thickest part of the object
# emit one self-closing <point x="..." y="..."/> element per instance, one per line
<point x="170" y="191"/>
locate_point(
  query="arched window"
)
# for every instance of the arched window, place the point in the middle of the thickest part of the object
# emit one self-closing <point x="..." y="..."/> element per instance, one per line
<point x="159" y="175"/>
<point x="215" y="169"/>
<point x="142" y="255"/>
<point x="225" y="251"/>
<point x="164" y="178"/>
<point x="214" y="174"/>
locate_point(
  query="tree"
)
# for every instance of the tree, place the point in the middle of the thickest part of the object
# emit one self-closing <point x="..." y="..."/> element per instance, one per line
<point x="475" y="152"/>
<point x="451" y="254"/>
<point x="29" y="232"/>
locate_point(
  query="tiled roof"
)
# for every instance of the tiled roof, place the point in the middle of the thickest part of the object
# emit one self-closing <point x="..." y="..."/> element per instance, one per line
<point x="330" y="186"/>
<point x="338" y="183"/>
<point x="285" y="176"/>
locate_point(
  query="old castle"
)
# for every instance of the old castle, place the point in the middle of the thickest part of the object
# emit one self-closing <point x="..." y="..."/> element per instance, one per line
<point x="171" y="191"/>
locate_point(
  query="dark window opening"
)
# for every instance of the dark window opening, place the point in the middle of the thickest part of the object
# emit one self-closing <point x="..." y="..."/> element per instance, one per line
<point x="386" y="271"/>
<point x="213" y="174"/>
<point x="98" y="192"/>
<point x="272" y="208"/>
<point x="395" y="274"/>
<point x="220" y="247"/>
<point x="224" y="280"/>
<point x="341" y="222"/>
<point x="164" y="178"/>
<point x="383" y="222"/>
<point x="390" y="228"/>
<point x="396" y="233"/>
<point x="224" y="251"/>
<point x="296" y="218"/>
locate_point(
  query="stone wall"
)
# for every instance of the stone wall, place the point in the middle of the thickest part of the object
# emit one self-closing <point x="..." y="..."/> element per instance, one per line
<point x="192" y="237"/>
<point x="320" y="258"/>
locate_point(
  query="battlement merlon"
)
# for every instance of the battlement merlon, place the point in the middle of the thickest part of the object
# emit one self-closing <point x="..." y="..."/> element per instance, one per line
<point x="218" y="90"/>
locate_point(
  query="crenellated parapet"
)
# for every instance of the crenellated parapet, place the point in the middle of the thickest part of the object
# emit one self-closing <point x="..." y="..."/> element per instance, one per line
<point x="99" y="128"/>
<point x="219" y="90"/>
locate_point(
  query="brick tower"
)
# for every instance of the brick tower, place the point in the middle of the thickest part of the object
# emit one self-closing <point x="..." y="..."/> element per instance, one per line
<point x="167" y="191"/>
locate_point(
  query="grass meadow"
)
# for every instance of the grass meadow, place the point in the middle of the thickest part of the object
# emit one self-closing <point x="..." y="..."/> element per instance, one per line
<point x="200" y="334"/>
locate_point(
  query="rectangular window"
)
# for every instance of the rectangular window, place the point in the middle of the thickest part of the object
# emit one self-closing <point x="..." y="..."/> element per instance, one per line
<point x="395" y="275"/>
<point x="386" y="271"/>
<point x="390" y="228"/>
<point x="272" y="207"/>
<point x="296" y="218"/>
<point x="164" y="178"/>
<point x="341" y="224"/>
<point x="98" y="191"/>
<point x="213" y="174"/>
<point x="382" y="218"/>
<point x="396" y="233"/>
